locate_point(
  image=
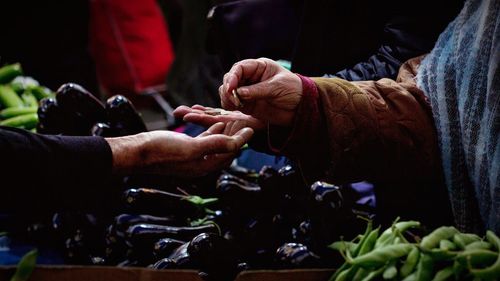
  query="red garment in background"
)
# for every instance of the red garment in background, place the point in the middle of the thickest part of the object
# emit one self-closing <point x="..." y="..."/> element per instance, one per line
<point x="130" y="44"/>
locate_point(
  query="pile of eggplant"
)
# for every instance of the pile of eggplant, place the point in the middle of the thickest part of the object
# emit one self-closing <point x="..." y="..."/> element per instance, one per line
<point x="76" y="112"/>
<point x="241" y="220"/>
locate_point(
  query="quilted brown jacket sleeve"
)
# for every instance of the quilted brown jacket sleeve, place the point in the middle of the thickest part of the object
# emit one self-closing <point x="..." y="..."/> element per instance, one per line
<point x="372" y="130"/>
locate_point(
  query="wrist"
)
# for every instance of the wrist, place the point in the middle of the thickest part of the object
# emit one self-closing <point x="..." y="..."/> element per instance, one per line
<point x="129" y="153"/>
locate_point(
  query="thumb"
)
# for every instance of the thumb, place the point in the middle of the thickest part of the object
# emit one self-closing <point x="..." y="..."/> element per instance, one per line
<point x="219" y="143"/>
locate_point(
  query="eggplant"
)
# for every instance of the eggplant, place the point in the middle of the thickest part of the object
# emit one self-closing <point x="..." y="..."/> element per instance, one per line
<point x="242" y="172"/>
<point x="157" y="202"/>
<point x="164" y="247"/>
<point x="124" y="221"/>
<point x="164" y="263"/>
<point x="141" y="234"/>
<point x="80" y="108"/>
<point x="238" y="195"/>
<point x="76" y="250"/>
<point x="296" y="255"/>
<point x="128" y="263"/>
<point x="102" y="130"/>
<point x="328" y="196"/>
<point x="329" y="213"/>
<point x="302" y="233"/>
<point x="204" y="247"/>
<point x="116" y="246"/>
<point x="123" y="117"/>
<point x="50" y="118"/>
<point x="182" y="258"/>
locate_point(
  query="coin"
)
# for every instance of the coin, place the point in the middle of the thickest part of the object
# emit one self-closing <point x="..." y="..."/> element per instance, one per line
<point x="237" y="98"/>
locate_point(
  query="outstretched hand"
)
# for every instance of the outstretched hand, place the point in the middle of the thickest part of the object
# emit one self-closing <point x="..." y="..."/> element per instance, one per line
<point x="172" y="153"/>
<point x="207" y="116"/>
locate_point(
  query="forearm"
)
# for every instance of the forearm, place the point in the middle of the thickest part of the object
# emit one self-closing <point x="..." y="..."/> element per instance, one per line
<point x="52" y="172"/>
<point x="365" y="130"/>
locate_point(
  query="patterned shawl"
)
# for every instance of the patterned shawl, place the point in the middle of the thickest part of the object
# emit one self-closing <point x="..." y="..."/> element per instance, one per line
<point x="461" y="78"/>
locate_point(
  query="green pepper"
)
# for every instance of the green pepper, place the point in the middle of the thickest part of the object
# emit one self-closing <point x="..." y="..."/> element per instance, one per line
<point x="26" y="121"/>
<point x="15" y="111"/>
<point x="9" y="72"/>
<point x="9" y="98"/>
<point x="29" y="99"/>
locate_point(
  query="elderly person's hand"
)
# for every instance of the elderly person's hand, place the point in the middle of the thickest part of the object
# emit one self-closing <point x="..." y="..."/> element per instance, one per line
<point x="207" y="116"/>
<point x="266" y="90"/>
<point x="172" y="153"/>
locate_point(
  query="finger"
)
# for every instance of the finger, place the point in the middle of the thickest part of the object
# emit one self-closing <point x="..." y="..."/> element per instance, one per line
<point x="202" y="119"/>
<point x="216" y="128"/>
<point x="225" y="101"/>
<point x="218" y="143"/>
<point x="227" y="129"/>
<point x="244" y="70"/>
<point x="237" y="126"/>
<point x="182" y="110"/>
<point x="200" y="107"/>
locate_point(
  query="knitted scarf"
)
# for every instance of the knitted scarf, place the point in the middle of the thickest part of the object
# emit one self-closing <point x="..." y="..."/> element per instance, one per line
<point x="461" y="78"/>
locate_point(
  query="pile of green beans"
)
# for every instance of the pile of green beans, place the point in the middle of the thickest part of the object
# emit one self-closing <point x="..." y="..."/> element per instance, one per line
<point x="443" y="254"/>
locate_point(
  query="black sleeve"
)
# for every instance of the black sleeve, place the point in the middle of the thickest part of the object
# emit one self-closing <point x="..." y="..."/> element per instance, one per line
<point x="50" y="173"/>
<point x="404" y="37"/>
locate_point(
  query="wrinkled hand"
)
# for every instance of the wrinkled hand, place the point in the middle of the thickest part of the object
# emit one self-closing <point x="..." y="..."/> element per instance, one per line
<point x="198" y="114"/>
<point x="267" y="91"/>
<point x="172" y="153"/>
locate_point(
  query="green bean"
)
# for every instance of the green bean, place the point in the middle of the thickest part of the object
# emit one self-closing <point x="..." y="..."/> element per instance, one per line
<point x="447" y="245"/>
<point x="341" y="276"/>
<point x="464" y="239"/>
<point x="493" y="239"/>
<point x="365" y="247"/>
<point x="374" y="274"/>
<point x="361" y="273"/>
<point x="341" y="270"/>
<point x="368" y="230"/>
<point x="411" y="277"/>
<point x="370" y="241"/>
<point x="345" y="268"/>
<point x="432" y="240"/>
<point x="458" y="270"/>
<point x="479" y="245"/>
<point x="438" y="254"/>
<point x="390" y="272"/>
<point x="343" y="246"/>
<point x="400" y="226"/>
<point x="410" y="263"/>
<point x="381" y="256"/>
<point x="492" y="272"/>
<point x="425" y="268"/>
<point x="444" y="274"/>
<point x="477" y="258"/>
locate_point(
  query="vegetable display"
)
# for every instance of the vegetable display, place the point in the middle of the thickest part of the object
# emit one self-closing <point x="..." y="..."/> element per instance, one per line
<point x="19" y="98"/>
<point x="397" y="254"/>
